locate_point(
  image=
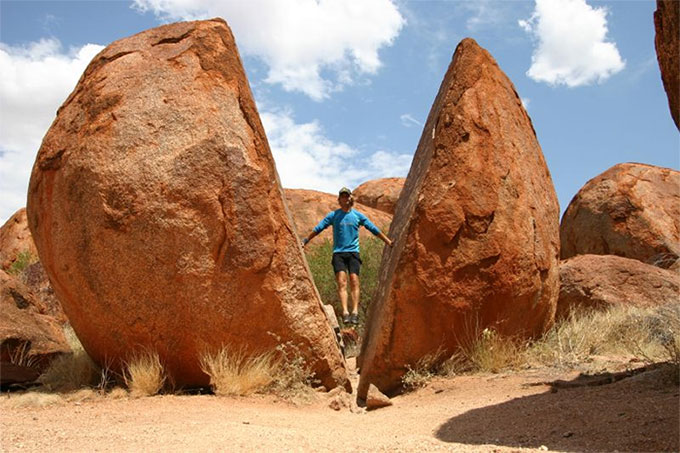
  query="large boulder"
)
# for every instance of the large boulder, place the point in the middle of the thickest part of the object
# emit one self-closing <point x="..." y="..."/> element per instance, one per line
<point x="35" y="278"/>
<point x="603" y="281"/>
<point x="308" y="207"/>
<point x="667" y="43"/>
<point x="15" y="239"/>
<point x="159" y="216"/>
<point x="380" y="194"/>
<point x="29" y="337"/>
<point x="631" y="210"/>
<point x="476" y="229"/>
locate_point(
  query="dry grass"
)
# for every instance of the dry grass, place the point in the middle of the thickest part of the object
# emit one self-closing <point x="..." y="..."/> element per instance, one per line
<point x="32" y="399"/>
<point x="144" y="374"/>
<point x="283" y="372"/>
<point x="488" y="352"/>
<point x="71" y="371"/>
<point x="233" y="372"/>
<point x="648" y="334"/>
<point x="21" y="355"/>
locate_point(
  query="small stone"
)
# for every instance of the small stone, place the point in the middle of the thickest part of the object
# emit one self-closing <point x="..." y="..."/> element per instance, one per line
<point x="375" y="399"/>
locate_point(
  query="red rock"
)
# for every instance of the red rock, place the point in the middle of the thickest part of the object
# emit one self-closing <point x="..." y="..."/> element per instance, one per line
<point x="376" y="399"/>
<point x="25" y="331"/>
<point x="476" y="229"/>
<point x="159" y="216"/>
<point x="631" y="210"/>
<point x="603" y="281"/>
<point x="380" y="194"/>
<point x="667" y="43"/>
<point x="15" y="238"/>
<point x="35" y="278"/>
<point x="308" y="207"/>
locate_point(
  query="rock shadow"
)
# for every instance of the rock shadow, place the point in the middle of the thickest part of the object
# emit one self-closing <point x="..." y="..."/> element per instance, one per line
<point x="638" y="413"/>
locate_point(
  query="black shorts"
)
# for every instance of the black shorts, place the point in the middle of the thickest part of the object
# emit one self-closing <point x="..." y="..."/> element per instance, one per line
<point x="346" y="261"/>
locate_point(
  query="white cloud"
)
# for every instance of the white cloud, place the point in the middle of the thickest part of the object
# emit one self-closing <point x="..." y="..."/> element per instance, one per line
<point x="571" y="43"/>
<point x="312" y="46"/>
<point x="525" y="103"/>
<point x="34" y="80"/>
<point x="407" y="120"/>
<point x="305" y="158"/>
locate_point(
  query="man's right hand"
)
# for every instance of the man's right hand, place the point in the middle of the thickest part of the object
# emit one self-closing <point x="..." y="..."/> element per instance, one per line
<point x="304" y="242"/>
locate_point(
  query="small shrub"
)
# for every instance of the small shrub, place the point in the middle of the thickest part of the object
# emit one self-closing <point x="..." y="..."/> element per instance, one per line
<point x="294" y="378"/>
<point x="144" y="374"/>
<point x="21" y="354"/>
<point x="24" y="259"/>
<point x="71" y="371"/>
<point x="424" y="370"/>
<point x="236" y="373"/>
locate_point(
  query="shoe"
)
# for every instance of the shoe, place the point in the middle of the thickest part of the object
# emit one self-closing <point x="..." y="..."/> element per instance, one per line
<point x="346" y="319"/>
<point x="354" y="319"/>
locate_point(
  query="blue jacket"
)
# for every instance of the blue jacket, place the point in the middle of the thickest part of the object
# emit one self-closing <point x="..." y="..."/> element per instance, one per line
<point x="346" y="229"/>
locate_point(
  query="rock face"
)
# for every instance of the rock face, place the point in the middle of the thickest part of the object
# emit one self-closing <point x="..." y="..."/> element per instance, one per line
<point x="602" y="281"/>
<point x="476" y="229"/>
<point x="667" y="24"/>
<point x="35" y="278"/>
<point x="159" y="216"/>
<point x="29" y="338"/>
<point x="380" y="194"/>
<point x="631" y="210"/>
<point x="308" y="207"/>
<point x="15" y="238"/>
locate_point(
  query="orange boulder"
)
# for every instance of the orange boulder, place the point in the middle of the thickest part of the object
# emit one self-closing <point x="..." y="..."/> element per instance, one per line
<point x="476" y="229"/>
<point x="309" y="207"/>
<point x="603" y="281"/>
<point x="631" y="210"/>
<point x="15" y="238"/>
<point x="159" y="216"/>
<point x="380" y="193"/>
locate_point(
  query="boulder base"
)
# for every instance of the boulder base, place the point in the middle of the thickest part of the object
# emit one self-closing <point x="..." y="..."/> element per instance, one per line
<point x="603" y="281"/>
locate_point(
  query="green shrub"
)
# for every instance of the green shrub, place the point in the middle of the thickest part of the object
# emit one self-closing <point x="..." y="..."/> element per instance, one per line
<point x="24" y="259"/>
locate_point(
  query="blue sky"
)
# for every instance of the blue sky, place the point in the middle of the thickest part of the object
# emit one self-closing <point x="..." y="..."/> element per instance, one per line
<point x="344" y="87"/>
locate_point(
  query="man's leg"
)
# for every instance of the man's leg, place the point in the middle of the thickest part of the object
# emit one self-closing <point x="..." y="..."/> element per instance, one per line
<point x="341" y="280"/>
<point x="354" y="289"/>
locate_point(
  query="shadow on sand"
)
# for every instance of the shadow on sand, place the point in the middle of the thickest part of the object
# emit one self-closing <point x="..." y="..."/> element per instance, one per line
<point x="638" y="412"/>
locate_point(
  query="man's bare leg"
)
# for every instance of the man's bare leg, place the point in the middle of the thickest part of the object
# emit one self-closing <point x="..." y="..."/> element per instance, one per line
<point x="354" y="290"/>
<point x="341" y="281"/>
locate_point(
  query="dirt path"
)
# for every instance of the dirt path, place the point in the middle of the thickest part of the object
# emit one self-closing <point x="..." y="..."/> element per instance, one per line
<point x="507" y="412"/>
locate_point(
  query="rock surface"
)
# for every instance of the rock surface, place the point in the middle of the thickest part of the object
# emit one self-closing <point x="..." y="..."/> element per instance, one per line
<point x="26" y="332"/>
<point x="631" y="210"/>
<point x="667" y="43"/>
<point x="309" y="207"/>
<point x="35" y="278"/>
<point x="15" y="238"/>
<point x="159" y="216"/>
<point x="476" y="229"/>
<point x="380" y="194"/>
<point x="602" y="281"/>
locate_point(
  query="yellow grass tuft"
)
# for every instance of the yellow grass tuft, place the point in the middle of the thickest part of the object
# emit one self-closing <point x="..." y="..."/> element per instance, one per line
<point x="488" y="352"/>
<point x="144" y="374"/>
<point x="233" y="372"/>
<point x="32" y="400"/>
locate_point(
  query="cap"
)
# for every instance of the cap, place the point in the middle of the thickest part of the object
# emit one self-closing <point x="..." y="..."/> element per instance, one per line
<point x="345" y="190"/>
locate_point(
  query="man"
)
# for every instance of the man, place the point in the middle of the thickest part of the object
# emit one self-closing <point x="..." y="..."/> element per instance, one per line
<point x="346" y="260"/>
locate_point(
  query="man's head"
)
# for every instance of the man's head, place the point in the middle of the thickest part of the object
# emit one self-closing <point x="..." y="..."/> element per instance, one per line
<point x="345" y="198"/>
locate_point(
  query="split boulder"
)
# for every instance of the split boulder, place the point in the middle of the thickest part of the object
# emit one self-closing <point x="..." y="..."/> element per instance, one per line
<point x="667" y="43"/>
<point x="476" y="229"/>
<point x="159" y="216"/>
<point x="631" y="210"/>
<point x="603" y="281"/>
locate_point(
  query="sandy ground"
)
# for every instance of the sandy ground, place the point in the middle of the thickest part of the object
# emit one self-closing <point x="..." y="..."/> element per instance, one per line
<point x="505" y="412"/>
